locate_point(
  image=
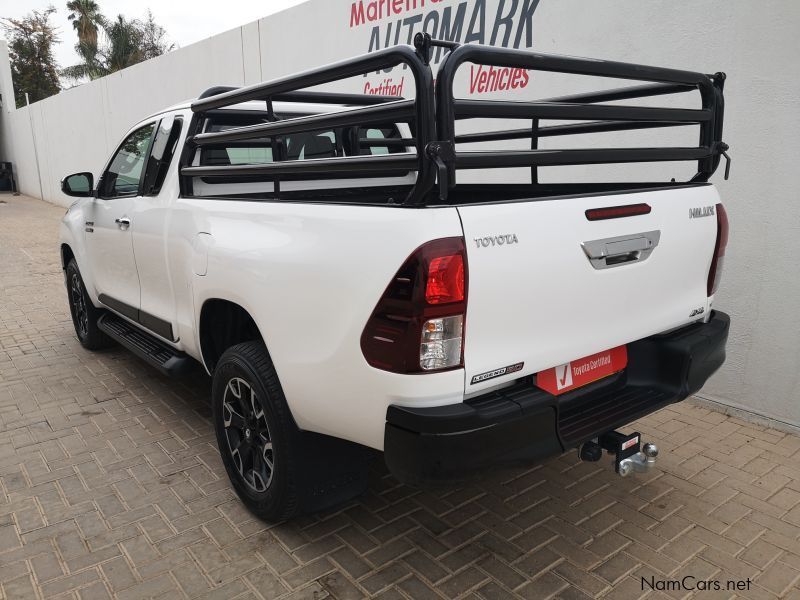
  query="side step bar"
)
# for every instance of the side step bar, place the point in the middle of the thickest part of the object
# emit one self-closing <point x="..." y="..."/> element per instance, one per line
<point x="147" y="347"/>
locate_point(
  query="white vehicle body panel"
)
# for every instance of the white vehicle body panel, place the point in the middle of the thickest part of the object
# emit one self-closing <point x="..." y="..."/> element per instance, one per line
<point x="310" y="275"/>
<point x="541" y="302"/>
<point x="109" y="249"/>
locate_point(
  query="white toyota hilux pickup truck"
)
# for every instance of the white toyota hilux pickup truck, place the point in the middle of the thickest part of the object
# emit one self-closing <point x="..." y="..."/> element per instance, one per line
<point x="324" y="257"/>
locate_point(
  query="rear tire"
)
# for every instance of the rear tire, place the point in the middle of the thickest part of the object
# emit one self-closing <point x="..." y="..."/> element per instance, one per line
<point x="84" y="313"/>
<point x="255" y="431"/>
<point x="276" y="469"/>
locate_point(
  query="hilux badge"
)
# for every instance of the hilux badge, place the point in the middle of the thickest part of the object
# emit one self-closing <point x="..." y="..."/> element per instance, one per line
<point x="701" y="211"/>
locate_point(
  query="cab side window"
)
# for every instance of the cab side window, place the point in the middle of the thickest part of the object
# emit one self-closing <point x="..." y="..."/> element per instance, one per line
<point x="164" y="146"/>
<point x="124" y="174"/>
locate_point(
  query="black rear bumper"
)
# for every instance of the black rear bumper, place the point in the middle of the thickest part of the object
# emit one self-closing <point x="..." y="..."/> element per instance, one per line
<point x="524" y="423"/>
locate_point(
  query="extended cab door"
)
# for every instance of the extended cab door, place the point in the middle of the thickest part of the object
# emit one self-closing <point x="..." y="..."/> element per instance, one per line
<point x="150" y="241"/>
<point x="109" y="221"/>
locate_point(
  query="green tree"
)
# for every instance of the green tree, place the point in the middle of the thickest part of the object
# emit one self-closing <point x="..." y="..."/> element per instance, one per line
<point x="30" y="44"/>
<point x="154" y="38"/>
<point x="106" y="46"/>
<point x="124" y="44"/>
<point x="90" y="67"/>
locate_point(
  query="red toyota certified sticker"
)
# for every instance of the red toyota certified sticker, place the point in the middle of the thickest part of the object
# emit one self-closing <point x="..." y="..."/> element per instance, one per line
<point x="583" y="371"/>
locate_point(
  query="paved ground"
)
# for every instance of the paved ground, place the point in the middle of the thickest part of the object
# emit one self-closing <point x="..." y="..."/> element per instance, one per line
<point x="110" y="484"/>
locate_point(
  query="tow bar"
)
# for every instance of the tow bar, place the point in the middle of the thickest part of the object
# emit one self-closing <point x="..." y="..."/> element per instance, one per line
<point x="629" y="454"/>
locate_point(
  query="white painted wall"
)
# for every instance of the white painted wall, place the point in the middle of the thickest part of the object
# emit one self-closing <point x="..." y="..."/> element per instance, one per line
<point x="756" y="43"/>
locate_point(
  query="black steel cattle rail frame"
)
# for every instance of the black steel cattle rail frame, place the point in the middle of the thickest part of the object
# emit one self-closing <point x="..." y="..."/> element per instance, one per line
<point x="434" y="114"/>
<point x="367" y="109"/>
<point x="578" y="107"/>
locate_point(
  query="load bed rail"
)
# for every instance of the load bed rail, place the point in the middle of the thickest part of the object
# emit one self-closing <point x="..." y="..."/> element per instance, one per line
<point x="420" y="110"/>
<point x="579" y="107"/>
<point x="432" y="151"/>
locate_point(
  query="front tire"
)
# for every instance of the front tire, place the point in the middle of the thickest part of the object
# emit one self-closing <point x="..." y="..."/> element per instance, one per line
<point x="84" y="313"/>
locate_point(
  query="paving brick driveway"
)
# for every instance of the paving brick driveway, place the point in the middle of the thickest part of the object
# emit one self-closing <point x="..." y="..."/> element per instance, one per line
<point x="111" y="484"/>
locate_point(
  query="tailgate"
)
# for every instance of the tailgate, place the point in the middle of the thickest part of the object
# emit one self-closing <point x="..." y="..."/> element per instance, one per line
<point x="535" y="296"/>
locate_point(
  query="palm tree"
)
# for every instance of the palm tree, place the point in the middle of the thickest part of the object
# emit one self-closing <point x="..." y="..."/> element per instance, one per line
<point x="124" y="44"/>
<point x="87" y="22"/>
<point x="86" y="19"/>
<point x="91" y="66"/>
<point x="108" y="46"/>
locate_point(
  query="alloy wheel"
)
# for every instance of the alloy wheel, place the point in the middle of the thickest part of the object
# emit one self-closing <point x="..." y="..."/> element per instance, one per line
<point x="79" y="305"/>
<point x="247" y="433"/>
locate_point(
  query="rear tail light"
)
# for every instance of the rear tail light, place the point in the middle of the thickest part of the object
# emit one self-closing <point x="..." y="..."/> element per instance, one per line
<point x="715" y="272"/>
<point x="418" y="324"/>
<point x="445" y="280"/>
<point x="441" y="343"/>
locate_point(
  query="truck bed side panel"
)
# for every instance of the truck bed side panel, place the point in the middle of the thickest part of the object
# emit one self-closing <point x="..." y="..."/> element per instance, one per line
<point x="310" y="275"/>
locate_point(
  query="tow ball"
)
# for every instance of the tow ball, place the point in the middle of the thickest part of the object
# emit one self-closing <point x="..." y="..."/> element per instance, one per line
<point x="629" y="453"/>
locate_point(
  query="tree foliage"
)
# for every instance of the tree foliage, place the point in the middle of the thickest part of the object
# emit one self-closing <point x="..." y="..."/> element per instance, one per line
<point x="154" y="40"/>
<point x="106" y="46"/>
<point x="86" y="19"/>
<point x="124" y="47"/>
<point x="33" y="66"/>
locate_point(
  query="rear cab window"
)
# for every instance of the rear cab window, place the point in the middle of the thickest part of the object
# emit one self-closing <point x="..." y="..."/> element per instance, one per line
<point x="320" y="144"/>
<point x="301" y="146"/>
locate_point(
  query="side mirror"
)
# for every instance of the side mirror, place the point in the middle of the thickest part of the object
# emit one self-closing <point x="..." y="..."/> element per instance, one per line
<point x="78" y="185"/>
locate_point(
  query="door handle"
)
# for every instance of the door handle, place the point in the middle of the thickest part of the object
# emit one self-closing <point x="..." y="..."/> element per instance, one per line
<point x="611" y="252"/>
<point x="123" y="223"/>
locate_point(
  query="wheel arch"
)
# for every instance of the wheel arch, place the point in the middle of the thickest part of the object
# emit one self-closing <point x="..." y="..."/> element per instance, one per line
<point x="71" y="250"/>
<point x="222" y="324"/>
<point x="66" y="255"/>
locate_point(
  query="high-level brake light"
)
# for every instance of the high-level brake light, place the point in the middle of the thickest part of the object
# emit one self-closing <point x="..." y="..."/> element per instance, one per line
<point x="617" y="212"/>
<point x="418" y="324"/>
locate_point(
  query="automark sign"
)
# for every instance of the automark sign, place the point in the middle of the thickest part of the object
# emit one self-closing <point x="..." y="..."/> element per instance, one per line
<point x="506" y="23"/>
